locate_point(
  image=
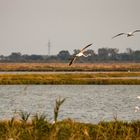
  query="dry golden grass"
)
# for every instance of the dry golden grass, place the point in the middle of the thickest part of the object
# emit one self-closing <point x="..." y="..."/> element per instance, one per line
<point x="41" y="129"/>
<point x="65" y="67"/>
<point x="72" y="78"/>
<point x="115" y="73"/>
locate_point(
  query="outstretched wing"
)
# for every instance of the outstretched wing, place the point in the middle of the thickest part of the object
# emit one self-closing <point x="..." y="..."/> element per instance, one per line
<point x="85" y="47"/>
<point x="135" y="31"/>
<point x="118" y="35"/>
<point x="72" y="60"/>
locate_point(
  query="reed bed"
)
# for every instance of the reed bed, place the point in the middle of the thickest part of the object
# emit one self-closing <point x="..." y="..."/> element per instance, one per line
<point x="40" y="129"/>
<point x="64" y="67"/>
<point x="72" y="78"/>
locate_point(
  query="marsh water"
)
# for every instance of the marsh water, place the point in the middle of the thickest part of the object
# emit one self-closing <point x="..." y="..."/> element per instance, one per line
<point x="84" y="103"/>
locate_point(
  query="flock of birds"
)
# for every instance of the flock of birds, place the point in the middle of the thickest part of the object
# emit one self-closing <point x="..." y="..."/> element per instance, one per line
<point x="81" y="53"/>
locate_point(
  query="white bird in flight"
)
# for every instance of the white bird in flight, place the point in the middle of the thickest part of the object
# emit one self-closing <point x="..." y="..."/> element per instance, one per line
<point x="81" y="53"/>
<point x="127" y="34"/>
<point x="138" y="97"/>
<point x="137" y="108"/>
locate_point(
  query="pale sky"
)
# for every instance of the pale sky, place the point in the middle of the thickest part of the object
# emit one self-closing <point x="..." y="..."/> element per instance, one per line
<point x="27" y="25"/>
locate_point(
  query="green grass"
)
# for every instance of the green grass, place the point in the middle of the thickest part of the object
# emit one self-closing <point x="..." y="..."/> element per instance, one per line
<point x="75" y="78"/>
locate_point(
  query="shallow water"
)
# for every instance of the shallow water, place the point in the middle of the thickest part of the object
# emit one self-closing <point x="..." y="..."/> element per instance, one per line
<point x="84" y="103"/>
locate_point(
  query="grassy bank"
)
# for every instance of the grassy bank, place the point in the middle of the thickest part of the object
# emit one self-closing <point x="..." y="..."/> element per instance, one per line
<point x="64" y="67"/>
<point x="40" y="129"/>
<point x="75" y="78"/>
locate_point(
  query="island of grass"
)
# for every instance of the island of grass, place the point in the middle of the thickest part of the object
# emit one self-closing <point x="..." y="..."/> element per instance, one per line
<point x="110" y="66"/>
<point x="95" y="73"/>
<point x="98" y="78"/>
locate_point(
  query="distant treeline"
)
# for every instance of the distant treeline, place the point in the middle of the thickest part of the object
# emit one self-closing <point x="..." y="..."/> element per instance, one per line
<point x="102" y="55"/>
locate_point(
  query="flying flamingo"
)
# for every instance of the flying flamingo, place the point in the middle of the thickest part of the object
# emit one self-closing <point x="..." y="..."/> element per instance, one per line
<point x="127" y="34"/>
<point x="81" y="53"/>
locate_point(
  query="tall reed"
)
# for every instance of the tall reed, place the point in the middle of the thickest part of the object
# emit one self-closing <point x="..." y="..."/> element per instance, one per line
<point x="58" y="103"/>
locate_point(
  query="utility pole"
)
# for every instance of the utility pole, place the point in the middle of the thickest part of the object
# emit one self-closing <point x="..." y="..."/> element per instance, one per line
<point x="49" y="48"/>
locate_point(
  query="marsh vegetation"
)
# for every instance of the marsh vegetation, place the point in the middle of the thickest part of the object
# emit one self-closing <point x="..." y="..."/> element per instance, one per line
<point x="40" y="129"/>
<point x="72" y="78"/>
<point x="64" y="67"/>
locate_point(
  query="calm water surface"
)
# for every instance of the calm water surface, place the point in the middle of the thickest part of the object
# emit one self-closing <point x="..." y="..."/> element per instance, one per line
<point x="84" y="103"/>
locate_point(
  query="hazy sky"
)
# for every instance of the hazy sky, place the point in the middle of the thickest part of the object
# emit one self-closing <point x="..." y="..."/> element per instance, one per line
<point x="27" y="25"/>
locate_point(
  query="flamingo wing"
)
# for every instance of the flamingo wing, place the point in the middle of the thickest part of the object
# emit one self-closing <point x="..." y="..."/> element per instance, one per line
<point x="85" y="47"/>
<point x="118" y="35"/>
<point x="72" y="60"/>
<point x="135" y="31"/>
